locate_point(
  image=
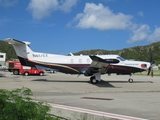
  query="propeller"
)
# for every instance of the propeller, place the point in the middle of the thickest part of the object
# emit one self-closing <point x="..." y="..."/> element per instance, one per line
<point x="150" y="70"/>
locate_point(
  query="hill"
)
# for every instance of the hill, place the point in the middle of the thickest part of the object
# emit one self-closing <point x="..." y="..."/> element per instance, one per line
<point x="136" y="53"/>
<point x="8" y="49"/>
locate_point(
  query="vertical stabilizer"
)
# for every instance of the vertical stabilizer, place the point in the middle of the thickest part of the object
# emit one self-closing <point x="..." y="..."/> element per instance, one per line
<point x="22" y="49"/>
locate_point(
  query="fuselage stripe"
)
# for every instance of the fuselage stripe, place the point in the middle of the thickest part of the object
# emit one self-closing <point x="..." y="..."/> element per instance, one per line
<point x="64" y="66"/>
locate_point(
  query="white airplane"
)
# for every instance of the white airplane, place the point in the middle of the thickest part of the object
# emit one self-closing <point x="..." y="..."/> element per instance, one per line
<point x="93" y="66"/>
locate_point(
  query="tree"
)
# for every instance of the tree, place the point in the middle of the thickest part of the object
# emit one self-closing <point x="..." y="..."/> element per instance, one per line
<point x="17" y="105"/>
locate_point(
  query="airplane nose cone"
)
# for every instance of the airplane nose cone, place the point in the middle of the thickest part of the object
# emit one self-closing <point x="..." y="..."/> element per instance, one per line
<point x="143" y="65"/>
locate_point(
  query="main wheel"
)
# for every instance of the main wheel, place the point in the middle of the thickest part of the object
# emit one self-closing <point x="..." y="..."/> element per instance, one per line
<point x="130" y="80"/>
<point x="93" y="80"/>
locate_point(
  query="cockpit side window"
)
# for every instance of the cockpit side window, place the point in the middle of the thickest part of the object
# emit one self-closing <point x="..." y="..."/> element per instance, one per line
<point x="121" y="58"/>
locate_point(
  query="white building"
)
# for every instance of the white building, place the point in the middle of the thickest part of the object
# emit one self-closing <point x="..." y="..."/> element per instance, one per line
<point x="159" y="67"/>
<point x="2" y="58"/>
<point x="155" y="68"/>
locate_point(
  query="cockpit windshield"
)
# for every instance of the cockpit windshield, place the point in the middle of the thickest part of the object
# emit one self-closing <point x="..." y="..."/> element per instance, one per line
<point x="121" y="58"/>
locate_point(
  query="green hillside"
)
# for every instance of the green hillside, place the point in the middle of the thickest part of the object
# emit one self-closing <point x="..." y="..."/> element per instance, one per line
<point x="8" y="49"/>
<point x="136" y="53"/>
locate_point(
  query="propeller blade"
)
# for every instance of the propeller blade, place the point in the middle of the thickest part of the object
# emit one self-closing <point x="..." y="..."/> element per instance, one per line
<point x="152" y="72"/>
<point x="151" y="57"/>
<point x="149" y="70"/>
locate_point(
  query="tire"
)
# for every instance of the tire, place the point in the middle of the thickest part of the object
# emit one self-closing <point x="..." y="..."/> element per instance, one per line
<point x="130" y="80"/>
<point x="16" y="72"/>
<point x="26" y="73"/>
<point x="51" y="71"/>
<point x="41" y="73"/>
<point x="93" y="80"/>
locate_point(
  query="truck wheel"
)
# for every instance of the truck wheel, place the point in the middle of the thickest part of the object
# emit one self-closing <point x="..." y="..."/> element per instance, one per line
<point x="41" y="73"/>
<point x="26" y="73"/>
<point x="16" y="72"/>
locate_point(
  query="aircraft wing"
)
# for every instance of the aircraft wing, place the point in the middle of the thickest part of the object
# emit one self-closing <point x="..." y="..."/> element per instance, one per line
<point x="99" y="65"/>
<point x="98" y="62"/>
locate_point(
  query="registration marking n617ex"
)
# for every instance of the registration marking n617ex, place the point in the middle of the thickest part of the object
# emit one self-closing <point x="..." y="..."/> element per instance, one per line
<point x="40" y="55"/>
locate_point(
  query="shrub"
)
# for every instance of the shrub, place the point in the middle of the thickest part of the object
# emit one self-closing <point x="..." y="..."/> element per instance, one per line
<point x="17" y="105"/>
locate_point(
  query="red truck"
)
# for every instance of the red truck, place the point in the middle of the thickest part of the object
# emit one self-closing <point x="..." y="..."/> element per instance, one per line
<point x="16" y="67"/>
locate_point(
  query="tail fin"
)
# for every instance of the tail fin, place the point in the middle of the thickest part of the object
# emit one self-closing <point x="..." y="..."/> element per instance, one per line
<point x="22" y="50"/>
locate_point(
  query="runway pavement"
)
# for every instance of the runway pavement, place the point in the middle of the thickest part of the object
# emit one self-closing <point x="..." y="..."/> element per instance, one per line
<point x="113" y="95"/>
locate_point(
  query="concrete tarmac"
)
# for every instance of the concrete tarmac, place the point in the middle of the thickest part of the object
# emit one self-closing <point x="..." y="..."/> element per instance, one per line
<point x="140" y="99"/>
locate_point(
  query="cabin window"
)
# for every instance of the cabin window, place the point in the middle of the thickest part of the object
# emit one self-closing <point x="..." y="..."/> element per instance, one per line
<point x="121" y="58"/>
<point x="88" y="60"/>
<point x="80" y="60"/>
<point x="72" y="61"/>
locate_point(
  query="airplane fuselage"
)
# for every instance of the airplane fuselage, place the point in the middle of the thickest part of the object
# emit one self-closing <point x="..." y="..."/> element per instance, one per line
<point x="79" y="64"/>
<point x="88" y="65"/>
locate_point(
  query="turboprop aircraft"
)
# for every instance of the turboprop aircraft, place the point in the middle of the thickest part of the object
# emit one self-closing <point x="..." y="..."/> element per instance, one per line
<point x="89" y="65"/>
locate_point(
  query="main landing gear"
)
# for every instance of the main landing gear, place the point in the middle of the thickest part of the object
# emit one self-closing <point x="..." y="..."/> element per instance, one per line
<point x="95" y="78"/>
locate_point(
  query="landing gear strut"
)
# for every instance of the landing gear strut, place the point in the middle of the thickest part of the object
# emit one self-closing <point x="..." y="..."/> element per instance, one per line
<point x="130" y="80"/>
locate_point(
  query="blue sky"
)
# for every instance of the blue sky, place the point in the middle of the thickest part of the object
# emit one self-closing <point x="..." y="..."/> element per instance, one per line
<point x="64" y="26"/>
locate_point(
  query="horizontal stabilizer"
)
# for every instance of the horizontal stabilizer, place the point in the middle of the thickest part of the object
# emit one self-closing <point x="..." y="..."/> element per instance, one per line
<point x="22" y="49"/>
<point x="15" y="42"/>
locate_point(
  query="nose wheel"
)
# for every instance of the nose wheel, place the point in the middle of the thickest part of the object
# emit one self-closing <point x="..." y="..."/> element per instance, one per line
<point x="130" y="80"/>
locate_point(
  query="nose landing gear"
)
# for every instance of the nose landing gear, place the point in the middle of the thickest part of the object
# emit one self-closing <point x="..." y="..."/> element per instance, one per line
<point x="130" y="80"/>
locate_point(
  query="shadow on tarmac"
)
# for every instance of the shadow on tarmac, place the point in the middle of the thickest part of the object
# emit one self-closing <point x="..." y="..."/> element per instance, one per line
<point x="130" y="83"/>
<point x="102" y="83"/>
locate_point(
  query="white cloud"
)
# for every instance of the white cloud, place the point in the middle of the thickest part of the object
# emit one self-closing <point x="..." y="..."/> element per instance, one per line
<point x="66" y="5"/>
<point x="43" y="8"/>
<point x="155" y="36"/>
<point x="144" y="33"/>
<point x="7" y="3"/>
<point x="141" y="14"/>
<point x="139" y="34"/>
<point x="100" y="17"/>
